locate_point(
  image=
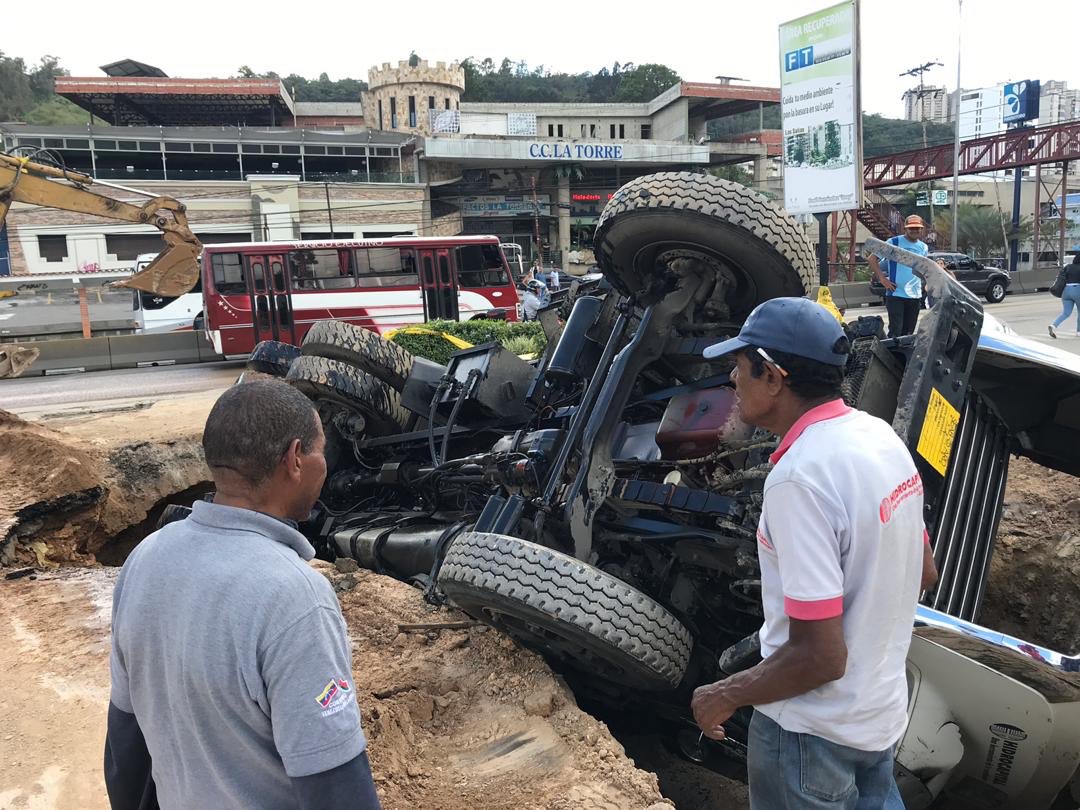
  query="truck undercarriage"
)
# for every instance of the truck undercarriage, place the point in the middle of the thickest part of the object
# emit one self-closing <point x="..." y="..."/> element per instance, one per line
<point x="600" y="506"/>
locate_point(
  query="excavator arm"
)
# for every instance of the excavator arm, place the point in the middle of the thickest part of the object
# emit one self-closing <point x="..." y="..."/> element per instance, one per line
<point x="176" y="269"/>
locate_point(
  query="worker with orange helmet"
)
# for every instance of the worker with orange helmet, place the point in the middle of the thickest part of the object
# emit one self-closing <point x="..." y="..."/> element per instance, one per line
<point x="903" y="289"/>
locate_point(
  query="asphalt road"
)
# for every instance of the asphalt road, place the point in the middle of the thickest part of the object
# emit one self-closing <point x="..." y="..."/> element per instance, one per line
<point x="1028" y="315"/>
<point x="39" y="396"/>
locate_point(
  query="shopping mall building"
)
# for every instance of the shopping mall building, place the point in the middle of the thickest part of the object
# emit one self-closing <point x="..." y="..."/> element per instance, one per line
<point x="410" y="157"/>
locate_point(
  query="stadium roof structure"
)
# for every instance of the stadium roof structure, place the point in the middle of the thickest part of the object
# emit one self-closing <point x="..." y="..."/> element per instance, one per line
<point x="135" y="94"/>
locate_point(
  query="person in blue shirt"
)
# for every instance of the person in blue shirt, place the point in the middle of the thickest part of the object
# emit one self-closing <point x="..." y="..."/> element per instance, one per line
<point x="903" y="289"/>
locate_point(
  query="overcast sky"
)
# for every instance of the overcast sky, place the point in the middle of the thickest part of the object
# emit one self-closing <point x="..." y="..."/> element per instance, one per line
<point x="1035" y="39"/>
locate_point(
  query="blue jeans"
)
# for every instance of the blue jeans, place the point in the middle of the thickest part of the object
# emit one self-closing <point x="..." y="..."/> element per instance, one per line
<point x="790" y="771"/>
<point x="1069" y="298"/>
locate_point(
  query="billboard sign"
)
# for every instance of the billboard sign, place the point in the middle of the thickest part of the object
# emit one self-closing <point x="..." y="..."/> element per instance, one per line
<point x="1021" y="102"/>
<point x="939" y="196"/>
<point x="819" y="90"/>
<point x="499" y="205"/>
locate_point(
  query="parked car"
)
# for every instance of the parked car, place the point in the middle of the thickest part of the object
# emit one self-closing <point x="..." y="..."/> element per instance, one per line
<point x="982" y="279"/>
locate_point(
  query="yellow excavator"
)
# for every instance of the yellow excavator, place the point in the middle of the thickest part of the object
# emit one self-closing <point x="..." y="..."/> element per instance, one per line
<point x="175" y="270"/>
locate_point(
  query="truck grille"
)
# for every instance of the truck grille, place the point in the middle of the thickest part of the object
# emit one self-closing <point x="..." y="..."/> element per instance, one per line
<point x="967" y="515"/>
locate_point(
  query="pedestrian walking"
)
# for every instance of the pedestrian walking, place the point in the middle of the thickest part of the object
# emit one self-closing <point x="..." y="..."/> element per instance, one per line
<point x="903" y="289"/>
<point x="1070" y="297"/>
<point x="231" y="667"/>
<point x="843" y="556"/>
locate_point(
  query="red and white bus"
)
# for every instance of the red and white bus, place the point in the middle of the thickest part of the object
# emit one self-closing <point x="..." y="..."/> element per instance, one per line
<point x="276" y="290"/>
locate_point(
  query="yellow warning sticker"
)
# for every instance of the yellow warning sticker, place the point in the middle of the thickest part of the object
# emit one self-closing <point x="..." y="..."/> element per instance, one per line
<point x="938" y="431"/>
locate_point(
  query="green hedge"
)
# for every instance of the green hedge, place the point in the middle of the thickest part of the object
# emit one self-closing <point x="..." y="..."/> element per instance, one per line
<point x="476" y="332"/>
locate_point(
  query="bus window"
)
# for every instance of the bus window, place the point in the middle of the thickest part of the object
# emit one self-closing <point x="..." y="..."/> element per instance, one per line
<point x="386" y="267"/>
<point x="257" y="275"/>
<point x="444" y="270"/>
<point x="321" y="269"/>
<point x="277" y="272"/>
<point x="481" y="266"/>
<point x="228" y="273"/>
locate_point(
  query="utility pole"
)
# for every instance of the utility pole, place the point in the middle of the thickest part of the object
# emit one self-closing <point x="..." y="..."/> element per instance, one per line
<point x="329" y="211"/>
<point x="956" y="127"/>
<point x="920" y="95"/>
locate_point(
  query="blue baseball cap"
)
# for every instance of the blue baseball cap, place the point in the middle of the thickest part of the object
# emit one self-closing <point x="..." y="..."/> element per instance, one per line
<point x="795" y="326"/>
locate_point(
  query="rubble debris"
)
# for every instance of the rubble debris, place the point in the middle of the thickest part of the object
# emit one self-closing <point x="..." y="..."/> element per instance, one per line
<point x="1034" y="584"/>
<point x="459" y="717"/>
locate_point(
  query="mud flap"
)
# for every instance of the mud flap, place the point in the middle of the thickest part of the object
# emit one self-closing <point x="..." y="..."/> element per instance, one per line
<point x="989" y="726"/>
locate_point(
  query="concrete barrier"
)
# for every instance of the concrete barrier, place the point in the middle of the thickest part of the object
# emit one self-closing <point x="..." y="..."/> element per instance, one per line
<point x="123" y="351"/>
<point x="59" y="356"/>
<point x="1033" y="280"/>
<point x="165" y="348"/>
<point x="855" y="294"/>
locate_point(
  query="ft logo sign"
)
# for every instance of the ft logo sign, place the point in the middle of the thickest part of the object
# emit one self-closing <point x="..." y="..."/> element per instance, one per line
<point x="804" y="57"/>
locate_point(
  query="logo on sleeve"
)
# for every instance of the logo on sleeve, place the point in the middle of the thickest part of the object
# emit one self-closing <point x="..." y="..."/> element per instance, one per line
<point x="764" y="540"/>
<point x="906" y="489"/>
<point x="333" y="697"/>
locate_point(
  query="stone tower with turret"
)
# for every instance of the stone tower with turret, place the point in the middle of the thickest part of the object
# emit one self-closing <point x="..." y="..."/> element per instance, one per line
<point x="399" y="99"/>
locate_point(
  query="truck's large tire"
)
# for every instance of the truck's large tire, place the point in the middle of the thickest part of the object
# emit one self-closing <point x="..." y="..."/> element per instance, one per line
<point x="322" y="379"/>
<point x="762" y="252"/>
<point x="272" y="357"/>
<point x="566" y="610"/>
<point x="361" y="347"/>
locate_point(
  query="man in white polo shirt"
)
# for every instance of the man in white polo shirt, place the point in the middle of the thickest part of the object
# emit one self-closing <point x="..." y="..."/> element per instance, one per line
<point x="843" y="557"/>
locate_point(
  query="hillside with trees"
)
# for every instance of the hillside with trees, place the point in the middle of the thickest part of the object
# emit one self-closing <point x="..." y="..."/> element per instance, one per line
<point x="515" y="81"/>
<point x="27" y="93"/>
<point x="321" y="89"/>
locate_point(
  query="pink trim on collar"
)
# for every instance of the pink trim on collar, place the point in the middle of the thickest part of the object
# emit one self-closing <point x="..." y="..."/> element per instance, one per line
<point x="828" y="410"/>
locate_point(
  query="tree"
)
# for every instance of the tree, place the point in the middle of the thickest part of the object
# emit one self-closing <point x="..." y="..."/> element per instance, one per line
<point x="514" y="81"/>
<point x="735" y="172"/>
<point x="832" y="140"/>
<point x="16" y="95"/>
<point x="43" y="78"/>
<point x="799" y="153"/>
<point x="884" y="136"/>
<point x="645" y="82"/>
<point x="981" y="231"/>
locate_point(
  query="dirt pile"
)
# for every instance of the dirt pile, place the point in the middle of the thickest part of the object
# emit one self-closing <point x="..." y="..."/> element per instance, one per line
<point x="457" y="719"/>
<point x="460" y="717"/>
<point x="54" y="671"/>
<point x="66" y="495"/>
<point x="1034" y="583"/>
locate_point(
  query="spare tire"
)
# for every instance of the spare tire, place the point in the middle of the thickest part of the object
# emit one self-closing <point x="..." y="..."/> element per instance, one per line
<point x="566" y="610"/>
<point x="325" y="380"/>
<point x="340" y="340"/>
<point x="272" y="357"/>
<point x="750" y="248"/>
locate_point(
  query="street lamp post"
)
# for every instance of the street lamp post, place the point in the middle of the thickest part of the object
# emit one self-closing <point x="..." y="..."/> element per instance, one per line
<point x="956" y="129"/>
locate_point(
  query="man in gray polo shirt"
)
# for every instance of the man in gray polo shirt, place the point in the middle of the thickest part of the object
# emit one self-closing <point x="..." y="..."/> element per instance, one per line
<point x="231" y="667"/>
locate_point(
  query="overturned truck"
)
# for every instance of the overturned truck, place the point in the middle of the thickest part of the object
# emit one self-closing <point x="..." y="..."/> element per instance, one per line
<point x="600" y="505"/>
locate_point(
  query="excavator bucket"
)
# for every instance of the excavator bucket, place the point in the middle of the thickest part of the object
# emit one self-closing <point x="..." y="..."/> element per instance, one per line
<point x="174" y="272"/>
<point x="14" y="360"/>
